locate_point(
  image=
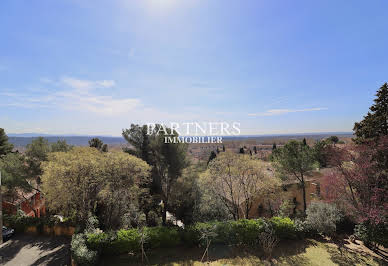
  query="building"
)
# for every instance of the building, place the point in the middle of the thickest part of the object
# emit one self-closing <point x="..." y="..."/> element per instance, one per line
<point x="263" y="206"/>
<point x="31" y="203"/>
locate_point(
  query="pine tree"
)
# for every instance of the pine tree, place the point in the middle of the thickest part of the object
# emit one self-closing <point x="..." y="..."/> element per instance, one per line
<point x="375" y="123"/>
<point x="96" y="143"/>
<point x="255" y="149"/>
<point x="274" y="146"/>
<point x="5" y="146"/>
<point x="212" y="156"/>
<point x="223" y="148"/>
<point x="304" y="141"/>
<point x="242" y="150"/>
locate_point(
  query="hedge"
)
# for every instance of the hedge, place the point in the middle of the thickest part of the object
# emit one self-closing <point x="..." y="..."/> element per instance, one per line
<point x="21" y="223"/>
<point x="241" y="232"/>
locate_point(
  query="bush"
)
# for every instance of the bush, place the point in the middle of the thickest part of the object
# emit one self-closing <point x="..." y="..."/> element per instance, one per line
<point x="268" y="239"/>
<point x="302" y="229"/>
<point x="322" y="217"/>
<point x="21" y="222"/>
<point x="162" y="237"/>
<point x="246" y="232"/>
<point x="284" y="227"/>
<point x="372" y="234"/>
<point x="242" y="232"/>
<point x="81" y="254"/>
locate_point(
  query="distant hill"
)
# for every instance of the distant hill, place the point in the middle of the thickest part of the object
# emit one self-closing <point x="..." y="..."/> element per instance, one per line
<point x="72" y="140"/>
<point x="21" y="140"/>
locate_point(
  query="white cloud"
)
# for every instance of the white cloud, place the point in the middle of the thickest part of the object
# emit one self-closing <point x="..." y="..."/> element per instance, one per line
<point x="272" y="112"/>
<point x="86" y="85"/>
<point x="74" y="94"/>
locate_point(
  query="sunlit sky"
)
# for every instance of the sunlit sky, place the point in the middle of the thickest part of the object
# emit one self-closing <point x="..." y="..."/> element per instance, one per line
<point x="94" y="67"/>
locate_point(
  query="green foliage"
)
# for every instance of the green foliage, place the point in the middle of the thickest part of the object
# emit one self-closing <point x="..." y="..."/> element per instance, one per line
<point x="246" y="232"/>
<point x="123" y="241"/>
<point x="167" y="160"/>
<point x="13" y="170"/>
<point x="375" y="123"/>
<point x="98" y="144"/>
<point x="80" y="251"/>
<point x="284" y="227"/>
<point x="212" y="156"/>
<point x="295" y="160"/>
<point x="21" y="222"/>
<point x="320" y="153"/>
<point x="242" y="232"/>
<point x="36" y="153"/>
<point x="5" y="146"/>
<point x="61" y="146"/>
<point x="372" y="234"/>
<point x="162" y="237"/>
<point x="333" y="139"/>
<point x="322" y="217"/>
<point x="74" y="182"/>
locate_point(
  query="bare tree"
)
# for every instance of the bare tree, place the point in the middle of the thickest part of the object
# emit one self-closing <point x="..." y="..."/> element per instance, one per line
<point x="237" y="180"/>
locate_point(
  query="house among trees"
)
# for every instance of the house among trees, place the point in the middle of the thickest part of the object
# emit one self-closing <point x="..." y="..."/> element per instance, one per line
<point x="291" y="192"/>
<point x="31" y="203"/>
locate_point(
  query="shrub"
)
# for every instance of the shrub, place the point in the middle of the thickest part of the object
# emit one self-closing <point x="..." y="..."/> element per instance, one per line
<point x="127" y="241"/>
<point x="246" y="231"/>
<point x="372" y="234"/>
<point x="322" y="217"/>
<point x="80" y="251"/>
<point x="302" y="229"/>
<point x="162" y="237"/>
<point x="284" y="227"/>
<point x="268" y="239"/>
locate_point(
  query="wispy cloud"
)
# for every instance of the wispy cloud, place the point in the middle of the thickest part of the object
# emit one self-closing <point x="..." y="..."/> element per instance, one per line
<point x="74" y="94"/>
<point x="81" y="84"/>
<point x="273" y="112"/>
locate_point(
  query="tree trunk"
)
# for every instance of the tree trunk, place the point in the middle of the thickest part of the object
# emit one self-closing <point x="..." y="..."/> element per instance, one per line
<point x="164" y="213"/>
<point x="304" y="197"/>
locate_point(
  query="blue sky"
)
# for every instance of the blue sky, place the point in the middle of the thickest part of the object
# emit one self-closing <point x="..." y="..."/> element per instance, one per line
<point x="95" y="67"/>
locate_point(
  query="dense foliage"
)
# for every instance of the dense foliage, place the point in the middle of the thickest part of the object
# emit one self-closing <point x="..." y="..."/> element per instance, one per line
<point x="75" y="183"/>
<point x="241" y="232"/>
<point x="375" y="123"/>
<point x="323" y="217"/>
<point x="294" y="161"/>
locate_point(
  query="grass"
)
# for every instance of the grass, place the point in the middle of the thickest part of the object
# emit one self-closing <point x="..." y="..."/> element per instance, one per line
<point x="302" y="252"/>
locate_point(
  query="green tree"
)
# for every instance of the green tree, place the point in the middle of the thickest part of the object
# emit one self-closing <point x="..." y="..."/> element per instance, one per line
<point x="321" y="153"/>
<point x="212" y="156"/>
<point x="15" y="178"/>
<point x="76" y="181"/>
<point x="36" y="153"/>
<point x="5" y="146"/>
<point x="255" y="149"/>
<point x="333" y="139"/>
<point x="61" y="145"/>
<point x="304" y="141"/>
<point x="242" y="150"/>
<point x="139" y="140"/>
<point x="167" y="159"/>
<point x="375" y="123"/>
<point x="223" y="148"/>
<point x="274" y="146"/>
<point x="295" y="160"/>
<point x="185" y="196"/>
